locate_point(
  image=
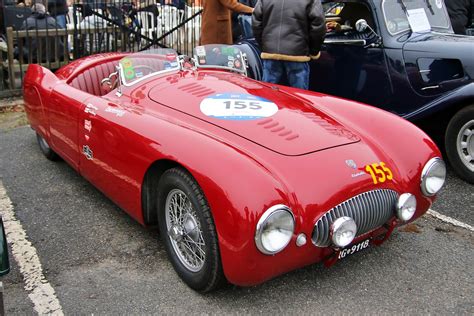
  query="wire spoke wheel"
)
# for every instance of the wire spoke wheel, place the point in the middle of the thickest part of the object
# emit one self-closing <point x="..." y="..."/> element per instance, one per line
<point x="184" y="230"/>
<point x="188" y="231"/>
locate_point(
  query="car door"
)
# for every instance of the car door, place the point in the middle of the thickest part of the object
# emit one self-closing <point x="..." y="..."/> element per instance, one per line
<point x="352" y="63"/>
<point x="109" y="158"/>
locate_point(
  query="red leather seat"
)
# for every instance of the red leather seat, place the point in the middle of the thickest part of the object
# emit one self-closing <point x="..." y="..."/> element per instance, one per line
<point x="89" y="80"/>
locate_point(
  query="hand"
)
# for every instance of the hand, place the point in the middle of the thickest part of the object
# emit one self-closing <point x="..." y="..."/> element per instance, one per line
<point x="333" y="26"/>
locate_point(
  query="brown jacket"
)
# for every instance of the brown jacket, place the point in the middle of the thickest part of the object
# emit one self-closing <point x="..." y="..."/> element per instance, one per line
<point x="289" y="30"/>
<point x="216" y="25"/>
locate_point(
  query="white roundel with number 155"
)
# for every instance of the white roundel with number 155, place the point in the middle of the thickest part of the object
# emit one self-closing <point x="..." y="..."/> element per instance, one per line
<point x="235" y="106"/>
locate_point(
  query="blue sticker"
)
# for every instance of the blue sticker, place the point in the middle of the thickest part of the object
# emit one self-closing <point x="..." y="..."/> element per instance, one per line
<point x="236" y="106"/>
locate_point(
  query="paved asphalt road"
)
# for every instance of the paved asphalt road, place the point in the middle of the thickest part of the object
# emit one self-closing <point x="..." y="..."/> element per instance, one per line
<point x="100" y="261"/>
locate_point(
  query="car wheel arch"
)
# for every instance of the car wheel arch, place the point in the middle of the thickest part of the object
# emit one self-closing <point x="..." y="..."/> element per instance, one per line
<point x="149" y="193"/>
<point x="450" y="112"/>
<point x="442" y="118"/>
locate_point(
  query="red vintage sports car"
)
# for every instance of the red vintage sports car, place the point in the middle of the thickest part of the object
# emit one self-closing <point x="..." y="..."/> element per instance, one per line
<point x="246" y="180"/>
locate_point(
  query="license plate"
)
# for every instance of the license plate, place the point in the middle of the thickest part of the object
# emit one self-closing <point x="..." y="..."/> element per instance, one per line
<point x="353" y="249"/>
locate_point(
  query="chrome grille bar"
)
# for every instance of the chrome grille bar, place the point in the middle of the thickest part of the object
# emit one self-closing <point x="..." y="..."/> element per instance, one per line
<point x="369" y="210"/>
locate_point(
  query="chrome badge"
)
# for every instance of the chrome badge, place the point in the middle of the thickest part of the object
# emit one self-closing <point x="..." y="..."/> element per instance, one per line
<point x="351" y="164"/>
<point x="87" y="152"/>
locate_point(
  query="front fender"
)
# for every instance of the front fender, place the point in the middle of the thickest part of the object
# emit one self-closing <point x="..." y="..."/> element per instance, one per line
<point x="237" y="186"/>
<point x="450" y="101"/>
<point x="239" y="189"/>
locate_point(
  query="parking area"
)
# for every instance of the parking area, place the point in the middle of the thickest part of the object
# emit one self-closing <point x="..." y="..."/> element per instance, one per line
<point x="98" y="260"/>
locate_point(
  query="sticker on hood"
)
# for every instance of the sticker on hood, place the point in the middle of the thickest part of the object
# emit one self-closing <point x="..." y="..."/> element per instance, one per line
<point x="235" y="106"/>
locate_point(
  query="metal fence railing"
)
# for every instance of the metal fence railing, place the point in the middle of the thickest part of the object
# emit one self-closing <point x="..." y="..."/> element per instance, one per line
<point x="84" y="27"/>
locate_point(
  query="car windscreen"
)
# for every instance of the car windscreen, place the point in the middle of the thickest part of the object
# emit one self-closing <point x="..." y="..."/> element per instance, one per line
<point x="396" y="14"/>
<point x="219" y="56"/>
<point x="142" y="65"/>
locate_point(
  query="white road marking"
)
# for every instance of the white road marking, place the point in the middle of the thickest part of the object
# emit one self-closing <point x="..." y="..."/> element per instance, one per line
<point x="449" y="220"/>
<point x="41" y="293"/>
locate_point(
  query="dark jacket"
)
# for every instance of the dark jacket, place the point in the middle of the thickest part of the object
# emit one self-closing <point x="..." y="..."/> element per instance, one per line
<point x="57" y="7"/>
<point x="180" y="4"/>
<point x="32" y="43"/>
<point x="460" y="14"/>
<point x="291" y="30"/>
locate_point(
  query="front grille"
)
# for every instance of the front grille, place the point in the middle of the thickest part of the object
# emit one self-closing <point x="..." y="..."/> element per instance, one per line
<point x="369" y="210"/>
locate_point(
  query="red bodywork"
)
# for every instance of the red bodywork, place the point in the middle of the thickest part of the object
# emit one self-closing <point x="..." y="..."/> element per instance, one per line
<point x="296" y="157"/>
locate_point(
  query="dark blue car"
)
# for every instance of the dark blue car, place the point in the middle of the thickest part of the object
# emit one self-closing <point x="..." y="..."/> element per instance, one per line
<point x="418" y="68"/>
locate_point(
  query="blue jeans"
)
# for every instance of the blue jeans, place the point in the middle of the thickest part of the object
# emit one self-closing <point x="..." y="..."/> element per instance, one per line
<point x="297" y="73"/>
<point x="61" y="20"/>
<point x="245" y="22"/>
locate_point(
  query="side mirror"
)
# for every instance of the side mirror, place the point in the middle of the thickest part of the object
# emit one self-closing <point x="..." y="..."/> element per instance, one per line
<point x="361" y="25"/>
<point x="4" y="262"/>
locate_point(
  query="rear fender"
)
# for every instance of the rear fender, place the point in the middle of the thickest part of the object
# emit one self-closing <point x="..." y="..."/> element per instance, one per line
<point x="446" y="105"/>
<point x="37" y="87"/>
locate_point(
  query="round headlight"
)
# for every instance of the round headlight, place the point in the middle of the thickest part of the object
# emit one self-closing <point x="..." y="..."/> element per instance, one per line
<point x="433" y="176"/>
<point x="343" y="231"/>
<point x="406" y="206"/>
<point x="274" y="229"/>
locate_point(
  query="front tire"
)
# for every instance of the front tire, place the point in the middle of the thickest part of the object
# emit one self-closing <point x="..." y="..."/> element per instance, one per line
<point x="459" y="142"/>
<point x="188" y="231"/>
<point x="45" y="149"/>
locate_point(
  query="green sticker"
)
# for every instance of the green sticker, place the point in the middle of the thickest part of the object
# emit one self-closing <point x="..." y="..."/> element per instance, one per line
<point x="229" y="51"/>
<point x="126" y="63"/>
<point x="129" y="73"/>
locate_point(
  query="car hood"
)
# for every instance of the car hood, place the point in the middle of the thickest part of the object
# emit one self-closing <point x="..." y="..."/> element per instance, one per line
<point x="278" y="119"/>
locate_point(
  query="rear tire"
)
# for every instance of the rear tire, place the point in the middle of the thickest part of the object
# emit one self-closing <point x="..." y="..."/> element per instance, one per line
<point x="188" y="232"/>
<point x="45" y="149"/>
<point x="459" y="142"/>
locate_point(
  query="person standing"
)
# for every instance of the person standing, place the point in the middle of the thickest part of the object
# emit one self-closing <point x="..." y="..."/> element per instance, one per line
<point x="40" y="49"/>
<point x="58" y="10"/>
<point x="242" y="24"/>
<point x="290" y="33"/>
<point x="460" y="14"/>
<point x="216" y="25"/>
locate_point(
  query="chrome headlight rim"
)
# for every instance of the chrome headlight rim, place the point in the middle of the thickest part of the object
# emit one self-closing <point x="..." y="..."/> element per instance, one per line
<point x="425" y="173"/>
<point x="337" y="224"/>
<point x="401" y="206"/>
<point x="261" y="224"/>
